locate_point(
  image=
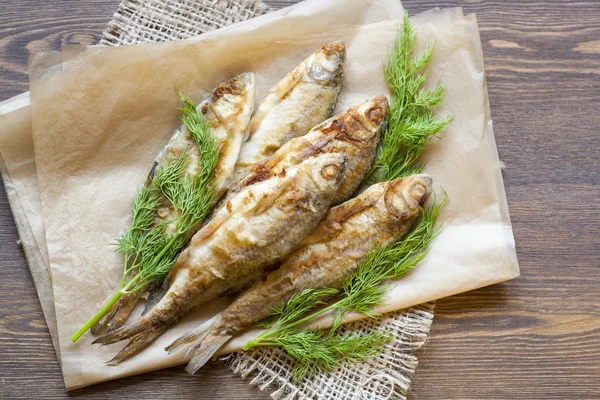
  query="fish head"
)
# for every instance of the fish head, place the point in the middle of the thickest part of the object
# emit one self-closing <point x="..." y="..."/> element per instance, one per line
<point x="326" y="66"/>
<point x="326" y="171"/>
<point x="405" y="197"/>
<point x="230" y="99"/>
<point x="362" y="125"/>
<point x="373" y="114"/>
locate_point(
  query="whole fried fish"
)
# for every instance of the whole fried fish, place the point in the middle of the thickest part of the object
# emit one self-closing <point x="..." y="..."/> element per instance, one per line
<point x="304" y="98"/>
<point x="257" y="228"/>
<point x="382" y="214"/>
<point x="356" y="133"/>
<point x="227" y="109"/>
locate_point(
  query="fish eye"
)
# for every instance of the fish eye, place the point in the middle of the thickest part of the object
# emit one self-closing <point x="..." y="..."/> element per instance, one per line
<point x="375" y="114"/>
<point x="418" y="192"/>
<point x="330" y="171"/>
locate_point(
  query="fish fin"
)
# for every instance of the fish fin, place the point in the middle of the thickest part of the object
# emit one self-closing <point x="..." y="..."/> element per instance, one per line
<point x="191" y="336"/>
<point x="156" y="293"/>
<point x="204" y="350"/>
<point x="121" y="314"/>
<point x="101" y="326"/>
<point x="137" y="343"/>
<point x="125" y="332"/>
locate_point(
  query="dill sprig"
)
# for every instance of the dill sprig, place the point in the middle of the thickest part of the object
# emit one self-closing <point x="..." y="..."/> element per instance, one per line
<point x="150" y="248"/>
<point x="412" y="122"/>
<point x="411" y="125"/>
<point x="317" y="352"/>
<point x="363" y="289"/>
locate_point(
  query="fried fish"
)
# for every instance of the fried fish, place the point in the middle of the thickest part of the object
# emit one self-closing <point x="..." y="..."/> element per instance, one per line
<point x="227" y="109"/>
<point x="304" y="98"/>
<point x="254" y="230"/>
<point x="382" y="214"/>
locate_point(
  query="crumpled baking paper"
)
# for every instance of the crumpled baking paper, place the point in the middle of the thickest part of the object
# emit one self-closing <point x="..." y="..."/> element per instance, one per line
<point x="100" y="118"/>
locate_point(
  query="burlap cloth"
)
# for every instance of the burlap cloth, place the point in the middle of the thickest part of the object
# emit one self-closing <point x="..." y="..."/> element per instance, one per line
<point x="387" y="376"/>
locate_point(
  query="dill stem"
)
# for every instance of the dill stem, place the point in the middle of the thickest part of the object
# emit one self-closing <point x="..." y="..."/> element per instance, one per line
<point x="102" y="311"/>
<point x="260" y="339"/>
<point x="166" y="248"/>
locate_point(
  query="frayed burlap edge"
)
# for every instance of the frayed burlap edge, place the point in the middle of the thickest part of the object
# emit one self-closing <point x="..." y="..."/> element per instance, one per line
<point x="140" y="21"/>
<point x="387" y="376"/>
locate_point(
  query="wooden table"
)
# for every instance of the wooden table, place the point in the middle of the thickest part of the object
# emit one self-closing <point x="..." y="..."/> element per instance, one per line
<point x="537" y="337"/>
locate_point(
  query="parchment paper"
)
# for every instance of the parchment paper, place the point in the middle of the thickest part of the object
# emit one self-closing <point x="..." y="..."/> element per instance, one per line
<point x="70" y="170"/>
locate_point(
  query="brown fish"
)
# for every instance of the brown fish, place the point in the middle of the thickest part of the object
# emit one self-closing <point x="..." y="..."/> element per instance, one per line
<point x="257" y="228"/>
<point x="304" y="98"/>
<point x="355" y="133"/>
<point x="382" y="214"/>
<point x="227" y="109"/>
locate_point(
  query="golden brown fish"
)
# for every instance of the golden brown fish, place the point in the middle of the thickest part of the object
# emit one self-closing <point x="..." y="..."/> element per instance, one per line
<point x="304" y="98"/>
<point x="355" y="133"/>
<point x="227" y="109"/>
<point x="380" y="215"/>
<point x="257" y="228"/>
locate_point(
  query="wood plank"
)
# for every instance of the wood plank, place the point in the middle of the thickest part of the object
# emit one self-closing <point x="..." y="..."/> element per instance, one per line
<point x="535" y="337"/>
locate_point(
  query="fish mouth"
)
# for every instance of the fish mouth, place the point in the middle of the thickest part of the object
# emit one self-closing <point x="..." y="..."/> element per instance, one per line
<point x="379" y="110"/>
<point x="236" y="86"/>
<point x="327" y="67"/>
<point x="364" y="122"/>
<point x="421" y="188"/>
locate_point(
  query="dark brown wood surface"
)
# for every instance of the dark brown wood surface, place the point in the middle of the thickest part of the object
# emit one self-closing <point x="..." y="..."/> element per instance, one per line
<point x="537" y="337"/>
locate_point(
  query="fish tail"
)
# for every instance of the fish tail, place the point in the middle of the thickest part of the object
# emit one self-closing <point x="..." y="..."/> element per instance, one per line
<point x="122" y="313"/>
<point x="145" y="330"/>
<point x="102" y="325"/>
<point x="118" y="314"/>
<point x="137" y="343"/>
<point x="191" y="336"/>
<point x="204" y="350"/>
<point x="125" y="332"/>
<point x="206" y="340"/>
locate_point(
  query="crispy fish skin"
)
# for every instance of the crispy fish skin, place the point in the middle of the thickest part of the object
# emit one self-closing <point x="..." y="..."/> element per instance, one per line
<point x="227" y="109"/>
<point x="350" y="231"/>
<point x="257" y="228"/>
<point x="304" y="98"/>
<point x="355" y="132"/>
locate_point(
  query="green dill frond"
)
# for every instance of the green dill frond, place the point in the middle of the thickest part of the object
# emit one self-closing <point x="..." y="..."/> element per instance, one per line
<point x="412" y="122"/>
<point x="143" y="209"/>
<point x="316" y="352"/>
<point x="198" y="192"/>
<point x="150" y="248"/>
<point x="301" y="303"/>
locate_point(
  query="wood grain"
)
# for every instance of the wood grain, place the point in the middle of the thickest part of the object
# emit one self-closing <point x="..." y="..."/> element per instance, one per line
<point x="537" y="337"/>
